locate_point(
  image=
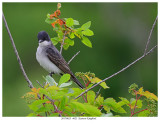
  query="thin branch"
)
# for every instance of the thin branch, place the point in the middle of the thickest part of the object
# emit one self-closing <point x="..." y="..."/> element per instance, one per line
<point x="73" y="57"/>
<point x="39" y="83"/>
<point x="150" y="34"/>
<point x="97" y="93"/>
<point x="63" y="41"/>
<point x="117" y="72"/>
<point x="145" y="54"/>
<point x="16" y="52"/>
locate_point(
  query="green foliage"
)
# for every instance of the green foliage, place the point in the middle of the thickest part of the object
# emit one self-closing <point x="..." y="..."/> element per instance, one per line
<point x="56" y="99"/>
<point x="66" y="30"/>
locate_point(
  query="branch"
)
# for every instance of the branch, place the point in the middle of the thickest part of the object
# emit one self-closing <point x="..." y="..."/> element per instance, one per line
<point x="150" y="34"/>
<point x="145" y="54"/>
<point x="63" y="42"/>
<point x="16" y="52"/>
<point x="73" y="57"/>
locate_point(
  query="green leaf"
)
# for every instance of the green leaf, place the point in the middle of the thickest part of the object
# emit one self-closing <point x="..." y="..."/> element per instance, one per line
<point x="74" y="91"/>
<point x="144" y="113"/>
<point x="32" y="115"/>
<point x="36" y="104"/>
<point x="86" y="25"/>
<point x="43" y="91"/>
<point x="65" y="46"/>
<point x="65" y="84"/>
<point x="71" y="35"/>
<point x="91" y="97"/>
<point x="69" y="41"/>
<point x="107" y="115"/>
<point x="85" y="108"/>
<point x="51" y="81"/>
<point x="63" y="102"/>
<point x="64" y="79"/>
<point x="55" y="40"/>
<point x="123" y="101"/>
<point x="54" y="115"/>
<point x="69" y="22"/>
<point x="76" y="22"/>
<point x="88" y="32"/>
<point x="50" y="21"/>
<point x="99" y="100"/>
<point x="113" y="105"/>
<point x="138" y="105"/>
<point x="87" y="42"/>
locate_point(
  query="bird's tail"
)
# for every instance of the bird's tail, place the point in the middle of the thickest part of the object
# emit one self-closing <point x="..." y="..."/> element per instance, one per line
<point x="76" y="81"/>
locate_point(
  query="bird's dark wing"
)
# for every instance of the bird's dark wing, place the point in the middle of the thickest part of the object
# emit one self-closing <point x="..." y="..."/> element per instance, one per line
<point x="58" y="60"/>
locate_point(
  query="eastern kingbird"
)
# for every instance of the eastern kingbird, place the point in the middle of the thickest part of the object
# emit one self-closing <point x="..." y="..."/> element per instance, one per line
<point x="50" y="59"/>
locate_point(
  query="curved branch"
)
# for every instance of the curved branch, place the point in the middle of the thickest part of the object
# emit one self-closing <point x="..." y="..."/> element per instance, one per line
<point x="16" y="52"/>
<point x="145" y="54"/>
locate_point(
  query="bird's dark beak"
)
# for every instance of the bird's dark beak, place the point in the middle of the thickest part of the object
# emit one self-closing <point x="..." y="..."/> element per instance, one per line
<point x="40" y="41"/>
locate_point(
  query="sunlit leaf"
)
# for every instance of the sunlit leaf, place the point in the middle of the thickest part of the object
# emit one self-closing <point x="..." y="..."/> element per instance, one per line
<point x="87" y="42"/>
<point x="65" y="84"/>
<point x="69" y="22"/>
<point x="55" y="40"/>
<point x="86" y="25"/>
<point x="91" y="97"/>
<point x="113" y="105"/>
<point x="64" y="78"/>
<point x="144" y="113"/>
<point x="88" y="32"/>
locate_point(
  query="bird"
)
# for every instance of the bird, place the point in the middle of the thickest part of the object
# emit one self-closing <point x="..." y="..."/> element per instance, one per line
<point x="50" y="58"/>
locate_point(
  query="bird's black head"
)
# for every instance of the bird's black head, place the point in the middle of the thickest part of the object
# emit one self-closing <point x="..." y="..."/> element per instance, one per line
<point x="43" y="36"/>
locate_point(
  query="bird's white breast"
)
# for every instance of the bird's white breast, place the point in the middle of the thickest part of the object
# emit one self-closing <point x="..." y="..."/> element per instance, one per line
<point x="45" y="62"/>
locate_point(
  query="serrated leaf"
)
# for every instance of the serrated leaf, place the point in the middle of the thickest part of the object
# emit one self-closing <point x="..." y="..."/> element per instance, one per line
<point x="69" y="22"/>
<point x="144" y="113"/>
<point x="65" y="84"/>
<point x="113" y="105"/>
<point x="86" y="25"/>
<point x="86" y="42"/>
<point x="88" y="32"/>
<point x="51" y="81"/>
<point x="76" y="22"/>
<point x="64" y="78"/>
<point x="91" y="97"/>
<point x="147" y="94"/>
<point x="55" y="40"/>
<point x="123" y="101"/>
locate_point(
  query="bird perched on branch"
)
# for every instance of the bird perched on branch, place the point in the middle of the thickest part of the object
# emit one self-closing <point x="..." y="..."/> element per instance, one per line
<point x="50" y="59"/>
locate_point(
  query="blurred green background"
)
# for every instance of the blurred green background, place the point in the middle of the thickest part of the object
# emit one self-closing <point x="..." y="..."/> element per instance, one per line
<point x="121" y="31"/>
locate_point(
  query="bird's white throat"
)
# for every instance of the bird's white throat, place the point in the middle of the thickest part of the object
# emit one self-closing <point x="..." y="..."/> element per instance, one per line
<point x="45" y="43"/>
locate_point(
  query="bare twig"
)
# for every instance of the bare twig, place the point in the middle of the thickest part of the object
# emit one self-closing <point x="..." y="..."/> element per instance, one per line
<point x="39" y="83"/>
<point x="16" y="52"/>
<point x="63" y="41"/>
<point x="145" y="54"/>
<point x="97" y="93"/>
<point x="150" y="34"/>
<point x="73" y="57"/>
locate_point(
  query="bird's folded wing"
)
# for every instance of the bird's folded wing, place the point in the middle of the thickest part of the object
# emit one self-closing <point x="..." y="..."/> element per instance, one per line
<point x="58" y="60"/>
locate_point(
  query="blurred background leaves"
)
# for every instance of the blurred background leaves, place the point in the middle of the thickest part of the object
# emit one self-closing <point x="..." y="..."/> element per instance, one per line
<point x="120" y="34"/>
